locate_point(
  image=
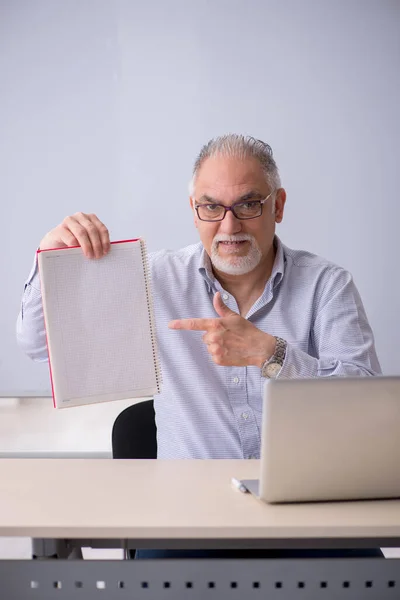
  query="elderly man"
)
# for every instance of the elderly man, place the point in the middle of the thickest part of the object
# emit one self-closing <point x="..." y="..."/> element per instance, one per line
<point x="248" y="307"/>
<point x="232" y="310"/>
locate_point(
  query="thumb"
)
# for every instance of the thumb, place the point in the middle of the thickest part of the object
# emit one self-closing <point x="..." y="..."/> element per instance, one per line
<point x="221" y="309"/>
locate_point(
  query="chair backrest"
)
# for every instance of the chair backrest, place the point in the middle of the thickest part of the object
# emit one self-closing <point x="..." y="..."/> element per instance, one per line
<point x="134" y="433"/>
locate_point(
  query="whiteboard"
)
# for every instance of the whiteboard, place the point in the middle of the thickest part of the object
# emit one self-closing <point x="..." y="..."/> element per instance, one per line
<point x="105" y="104"/>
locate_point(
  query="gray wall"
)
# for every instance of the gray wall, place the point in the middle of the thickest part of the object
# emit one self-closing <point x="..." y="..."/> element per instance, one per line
<point x="104" y="104"/>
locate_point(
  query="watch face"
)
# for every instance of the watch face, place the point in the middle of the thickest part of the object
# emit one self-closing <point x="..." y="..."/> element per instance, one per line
<point x="273" y="369"/>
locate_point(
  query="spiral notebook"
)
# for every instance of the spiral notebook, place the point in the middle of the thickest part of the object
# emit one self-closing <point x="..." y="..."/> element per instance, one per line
<point x="100" y="327"/>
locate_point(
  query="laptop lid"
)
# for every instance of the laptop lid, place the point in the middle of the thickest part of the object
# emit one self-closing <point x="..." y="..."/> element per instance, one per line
<point x="330" y="439"/>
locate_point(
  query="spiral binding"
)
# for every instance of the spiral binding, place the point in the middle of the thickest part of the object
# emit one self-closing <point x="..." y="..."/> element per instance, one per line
<point x="150" y="307"/>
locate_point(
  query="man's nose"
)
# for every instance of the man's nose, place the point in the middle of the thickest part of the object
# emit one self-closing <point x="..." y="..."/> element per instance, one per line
<point x="230" y="224"/>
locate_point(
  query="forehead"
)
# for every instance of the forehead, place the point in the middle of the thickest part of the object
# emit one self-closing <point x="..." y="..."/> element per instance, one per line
<point x="227" y="175"/>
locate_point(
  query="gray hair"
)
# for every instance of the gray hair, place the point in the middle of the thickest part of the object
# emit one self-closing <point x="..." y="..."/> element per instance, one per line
<point x="239" y="146"/>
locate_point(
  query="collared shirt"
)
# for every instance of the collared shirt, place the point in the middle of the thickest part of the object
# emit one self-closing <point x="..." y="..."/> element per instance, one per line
<point x="208" y="411"/>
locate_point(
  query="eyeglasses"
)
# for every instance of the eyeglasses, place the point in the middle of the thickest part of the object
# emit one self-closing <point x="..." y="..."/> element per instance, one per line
<point x="241" y="210"/>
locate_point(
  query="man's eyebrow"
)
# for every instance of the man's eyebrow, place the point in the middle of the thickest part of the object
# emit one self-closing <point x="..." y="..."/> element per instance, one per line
<point x="207" y="199"/>
<point x="253" y="195"/>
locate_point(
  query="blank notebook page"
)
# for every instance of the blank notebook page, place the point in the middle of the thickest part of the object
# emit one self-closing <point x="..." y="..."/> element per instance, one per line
<point x="100" y="324"/>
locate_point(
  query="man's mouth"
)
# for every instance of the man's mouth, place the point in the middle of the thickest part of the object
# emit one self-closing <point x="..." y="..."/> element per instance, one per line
<point x="238" y="243"/>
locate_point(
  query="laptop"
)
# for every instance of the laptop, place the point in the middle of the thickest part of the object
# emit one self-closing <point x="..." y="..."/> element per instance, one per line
<point x="329" y="439"/>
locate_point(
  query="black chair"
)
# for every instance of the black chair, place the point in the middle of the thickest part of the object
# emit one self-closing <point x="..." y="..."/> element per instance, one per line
<point x="134" y="433"/>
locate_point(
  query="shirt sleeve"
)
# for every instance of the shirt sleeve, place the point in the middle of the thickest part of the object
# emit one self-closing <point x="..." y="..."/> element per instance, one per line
<point x="341" y="336"/>
<point x="31" y="334"/>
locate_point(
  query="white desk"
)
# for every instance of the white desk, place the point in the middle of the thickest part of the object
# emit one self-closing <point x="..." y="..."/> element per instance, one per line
<point x="32" y="427"/>
<point x="169" y="500"/>
<point x="189" y="504"/>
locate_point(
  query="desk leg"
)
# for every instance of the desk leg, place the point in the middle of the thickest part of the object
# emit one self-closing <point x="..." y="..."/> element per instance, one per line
<point x="43" y="548"/>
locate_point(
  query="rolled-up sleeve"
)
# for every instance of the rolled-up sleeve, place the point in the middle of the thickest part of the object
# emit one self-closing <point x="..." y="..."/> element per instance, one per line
<point x="31" y="333"/>
<point x="341" y="336"/>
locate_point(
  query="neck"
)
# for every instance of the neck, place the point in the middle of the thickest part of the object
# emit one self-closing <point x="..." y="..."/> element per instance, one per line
<point x="244" y="287"/>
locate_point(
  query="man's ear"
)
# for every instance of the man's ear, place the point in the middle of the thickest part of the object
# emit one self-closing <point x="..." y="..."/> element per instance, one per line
<point x="280" y="201"/>
<point x="196" y="220"/>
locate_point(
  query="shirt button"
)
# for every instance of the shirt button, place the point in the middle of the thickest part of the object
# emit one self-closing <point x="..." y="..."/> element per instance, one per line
<point x="236" y="380"/>
<point x="245" y="415"/>
<point x="225" y="296"/>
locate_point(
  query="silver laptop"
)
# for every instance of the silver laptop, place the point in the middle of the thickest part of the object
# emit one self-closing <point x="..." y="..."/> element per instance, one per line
<point x="330" y="439"/>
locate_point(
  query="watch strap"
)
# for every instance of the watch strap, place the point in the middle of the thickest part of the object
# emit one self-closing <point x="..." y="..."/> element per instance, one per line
<point x="277" y="358"/>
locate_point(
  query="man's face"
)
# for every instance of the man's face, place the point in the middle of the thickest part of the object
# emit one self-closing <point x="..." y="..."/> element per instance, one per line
<point x="236" y="246"/>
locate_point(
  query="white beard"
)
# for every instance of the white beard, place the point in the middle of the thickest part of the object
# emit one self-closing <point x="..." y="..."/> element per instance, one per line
<point x="236" y="265"/>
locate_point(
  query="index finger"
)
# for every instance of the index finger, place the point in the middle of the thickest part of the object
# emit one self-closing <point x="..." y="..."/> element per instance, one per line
<point x="193" y="324"/>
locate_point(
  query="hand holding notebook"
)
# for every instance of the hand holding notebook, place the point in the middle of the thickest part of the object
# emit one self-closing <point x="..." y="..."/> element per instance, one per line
<point x="81" y="229"/>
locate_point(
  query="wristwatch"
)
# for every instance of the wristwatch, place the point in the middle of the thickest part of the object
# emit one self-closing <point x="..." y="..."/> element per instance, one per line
<point x="272" y="366"/>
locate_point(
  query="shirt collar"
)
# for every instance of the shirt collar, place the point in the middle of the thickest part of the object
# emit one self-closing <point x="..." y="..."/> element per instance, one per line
<point x="278" y="270"/>
<point x="205" y="270"/>
<point x="277" y="273"/>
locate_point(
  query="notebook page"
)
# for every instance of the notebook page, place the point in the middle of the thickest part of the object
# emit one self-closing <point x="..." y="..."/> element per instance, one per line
<point x="97" y="323"/>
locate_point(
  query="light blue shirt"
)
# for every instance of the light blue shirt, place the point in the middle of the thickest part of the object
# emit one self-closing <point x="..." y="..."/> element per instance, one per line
<point x="209" y="411"/>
